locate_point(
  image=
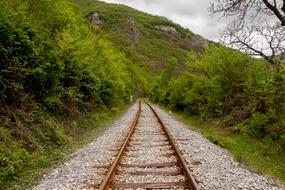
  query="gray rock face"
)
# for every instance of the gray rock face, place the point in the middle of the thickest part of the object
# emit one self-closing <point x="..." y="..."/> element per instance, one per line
<point x="131" y="20"/>
<point x="132" y="31"/>
<point x="94" y="18"/>
<point x="196" y="41"/>
<point x="166" y="28"/>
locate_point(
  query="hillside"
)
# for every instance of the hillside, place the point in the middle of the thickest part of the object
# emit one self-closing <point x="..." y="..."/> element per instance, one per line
<point x="57" y="84"/>
<point x="67" y="67"/>
<point x="149" y="41"/>
<point x="241" y="97"/>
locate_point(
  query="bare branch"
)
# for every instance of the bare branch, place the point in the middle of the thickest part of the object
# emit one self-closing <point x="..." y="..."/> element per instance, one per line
<point x="283" y="7"/>
<point x="275" y="11"/>
<point x="257" y="27"/>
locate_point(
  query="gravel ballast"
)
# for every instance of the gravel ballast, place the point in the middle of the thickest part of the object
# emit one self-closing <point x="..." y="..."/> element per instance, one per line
<point x="81" y="169"/>
<point x="213" y="167"/>
<point x="147" y="147"/>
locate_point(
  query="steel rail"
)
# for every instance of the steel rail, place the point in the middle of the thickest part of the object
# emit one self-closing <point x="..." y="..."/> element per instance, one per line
<point x="107" y="180"/>
<point x="106" y="183"/>
<point x="182" y="162"/>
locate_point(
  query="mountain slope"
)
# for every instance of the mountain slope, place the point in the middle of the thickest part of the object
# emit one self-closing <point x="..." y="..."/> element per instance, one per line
<point x="67" y="65"/>
<point x="150" y="41"/>
<point x="245" y="96"/>
<point x="57" y="84"/>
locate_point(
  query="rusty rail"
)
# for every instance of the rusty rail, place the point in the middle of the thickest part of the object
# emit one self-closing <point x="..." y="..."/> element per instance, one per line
<point x="182" y="162"/>
<point x="191" y="184"/>
<point x="106" y="182"/>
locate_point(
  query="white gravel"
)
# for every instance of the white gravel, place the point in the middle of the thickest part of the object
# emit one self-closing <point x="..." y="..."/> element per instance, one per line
<point x="81" y="169"/>
<point x="213" y="167"/>
<point x="145" y="149"/>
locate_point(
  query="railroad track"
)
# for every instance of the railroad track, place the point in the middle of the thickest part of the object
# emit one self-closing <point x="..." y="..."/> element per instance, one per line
<point x="148" y="158"/>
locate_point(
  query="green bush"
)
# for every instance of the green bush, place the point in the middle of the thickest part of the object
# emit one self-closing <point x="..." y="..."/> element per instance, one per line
<point x="246" y="94"/>
<point x="61" y="65"/>
<point x="258" y="124"/>
<point x="53" y="66"/>
<point x="13" y="157"/>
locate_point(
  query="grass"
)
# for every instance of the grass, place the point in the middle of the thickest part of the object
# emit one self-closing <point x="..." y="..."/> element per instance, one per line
<point x="261" y="156"/>
<point x="40" y="162"/>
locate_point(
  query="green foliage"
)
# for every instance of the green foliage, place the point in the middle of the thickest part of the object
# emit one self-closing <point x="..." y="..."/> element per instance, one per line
<point x="53" y="66"/>
<point x="12" y="156"/>
<point x="245" y="93"/>
<point x="258" y="123"/>
<point x="135" y="33"/>
<point x="61" y="64"/>
<point x="159" y="90"/>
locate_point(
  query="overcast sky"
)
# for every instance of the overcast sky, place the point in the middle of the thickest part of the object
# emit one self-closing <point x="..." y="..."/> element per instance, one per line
<point x="192" y="14"/>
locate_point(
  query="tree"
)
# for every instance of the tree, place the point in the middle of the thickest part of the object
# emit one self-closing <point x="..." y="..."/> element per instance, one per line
<point x="257" y="27"/>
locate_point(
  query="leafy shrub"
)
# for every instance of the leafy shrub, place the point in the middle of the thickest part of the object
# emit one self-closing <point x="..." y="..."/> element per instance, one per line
<point x="259" y="124"/>
<point x="245" y="93"/>
<point x="53" y="66"/>
<point x="12" y="160"/>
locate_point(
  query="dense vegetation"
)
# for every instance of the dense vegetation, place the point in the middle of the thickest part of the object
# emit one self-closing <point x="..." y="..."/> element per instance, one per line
<point x="242" y="97"/>
<point x="54" y="68"/>
<point x="239" y="98"/>
<point x="136" y="33"/>
<point x="245" y="93"/>
<point x="59" y="73"/>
